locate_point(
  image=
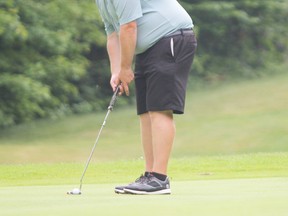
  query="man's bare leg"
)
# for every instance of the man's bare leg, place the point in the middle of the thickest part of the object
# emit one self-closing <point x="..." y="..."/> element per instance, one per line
<point x="146" y="138"/>
<point x="163" y="133"/>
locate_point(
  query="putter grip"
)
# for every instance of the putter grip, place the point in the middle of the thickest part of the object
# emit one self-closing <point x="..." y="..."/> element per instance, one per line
<point x="113" y="99"/>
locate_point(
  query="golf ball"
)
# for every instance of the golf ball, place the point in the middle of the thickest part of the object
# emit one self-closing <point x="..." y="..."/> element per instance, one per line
<point x="76" y="191"/>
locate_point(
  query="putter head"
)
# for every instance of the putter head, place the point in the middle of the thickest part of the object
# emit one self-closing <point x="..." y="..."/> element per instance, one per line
<point x="75" y="191"/>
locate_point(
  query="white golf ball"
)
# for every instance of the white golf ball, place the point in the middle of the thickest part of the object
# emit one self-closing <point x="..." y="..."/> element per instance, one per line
<point x="76" y="191"/>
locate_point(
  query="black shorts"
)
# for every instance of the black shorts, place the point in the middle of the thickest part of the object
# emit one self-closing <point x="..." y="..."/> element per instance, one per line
<point x="161" y="73"/>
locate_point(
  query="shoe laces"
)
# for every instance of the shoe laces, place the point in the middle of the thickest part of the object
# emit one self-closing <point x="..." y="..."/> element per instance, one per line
<point x="141" y="179"/>
<point x="150" y="178"/>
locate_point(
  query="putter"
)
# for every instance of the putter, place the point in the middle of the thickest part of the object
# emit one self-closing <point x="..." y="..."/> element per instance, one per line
<point x="77" y="191"/>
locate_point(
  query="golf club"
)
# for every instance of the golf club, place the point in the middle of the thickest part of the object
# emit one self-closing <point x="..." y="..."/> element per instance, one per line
<point x="77" y="191"/>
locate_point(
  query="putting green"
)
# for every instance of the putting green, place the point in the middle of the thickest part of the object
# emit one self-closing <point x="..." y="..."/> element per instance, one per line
<point x="253" y="197"/>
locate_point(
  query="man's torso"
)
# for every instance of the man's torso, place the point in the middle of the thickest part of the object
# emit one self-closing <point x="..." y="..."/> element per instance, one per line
<point x="155" y="18"/>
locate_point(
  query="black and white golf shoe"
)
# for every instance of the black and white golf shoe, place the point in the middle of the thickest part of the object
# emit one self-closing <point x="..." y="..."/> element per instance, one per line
<point x="120" y="189"/>
<point x="151" y="185"/>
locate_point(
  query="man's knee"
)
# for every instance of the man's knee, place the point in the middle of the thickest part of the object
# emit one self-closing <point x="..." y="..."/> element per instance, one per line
<point x="164" y="113"/>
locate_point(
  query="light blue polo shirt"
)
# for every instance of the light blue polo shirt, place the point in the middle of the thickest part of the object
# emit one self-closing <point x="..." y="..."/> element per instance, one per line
<point x="155" y="18"/>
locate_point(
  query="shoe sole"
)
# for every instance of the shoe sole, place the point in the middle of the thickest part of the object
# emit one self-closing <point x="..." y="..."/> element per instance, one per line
<point x="119" y="191"/>
<point x="159" y="192"/>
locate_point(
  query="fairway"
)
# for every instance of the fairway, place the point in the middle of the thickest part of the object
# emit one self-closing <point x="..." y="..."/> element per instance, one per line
<point x="263" y="196"/>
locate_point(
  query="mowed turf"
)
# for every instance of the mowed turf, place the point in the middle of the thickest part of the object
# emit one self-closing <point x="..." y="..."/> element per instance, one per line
<point x="238" y="185"/>
<point x="230" y="158"/>
<point x="238" y="197"/>
<point x="255" y="165"/>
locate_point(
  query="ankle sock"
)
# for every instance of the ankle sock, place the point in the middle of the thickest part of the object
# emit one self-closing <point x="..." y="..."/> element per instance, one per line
<point x="146" y="174"/>
<point x="159" y="176"/>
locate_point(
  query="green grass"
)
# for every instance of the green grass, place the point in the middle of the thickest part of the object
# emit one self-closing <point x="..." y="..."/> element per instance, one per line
<point x="256" y="165"/>
<point x="238" y="185"/>
<point x="230" y="158"/>
<point x="239" y="197"/>
<point x="236" y="118"/>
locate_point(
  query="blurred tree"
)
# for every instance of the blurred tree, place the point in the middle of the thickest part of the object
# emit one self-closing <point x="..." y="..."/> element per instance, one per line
<point x="45" y="46"/>
<point x="237" y="37"/>
<point x="53" y="58"/>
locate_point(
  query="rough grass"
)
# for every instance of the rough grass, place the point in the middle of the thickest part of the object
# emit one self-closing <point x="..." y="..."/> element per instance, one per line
<point x="236" y="118"/>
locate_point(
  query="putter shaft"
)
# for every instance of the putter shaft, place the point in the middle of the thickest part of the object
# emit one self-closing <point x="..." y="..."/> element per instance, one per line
<point x="110" y="108"/>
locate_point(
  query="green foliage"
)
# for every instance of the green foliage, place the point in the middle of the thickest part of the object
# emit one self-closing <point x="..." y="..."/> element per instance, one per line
<point x="21" y="99"/>
<point x="58" y="47"/>
<point x="46" y="45"/>
<point x="11" y="28"/>
<point x="235" y="37"/>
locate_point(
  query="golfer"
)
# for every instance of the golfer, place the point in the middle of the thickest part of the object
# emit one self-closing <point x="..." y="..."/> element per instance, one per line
<point x="159" y="34"/>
